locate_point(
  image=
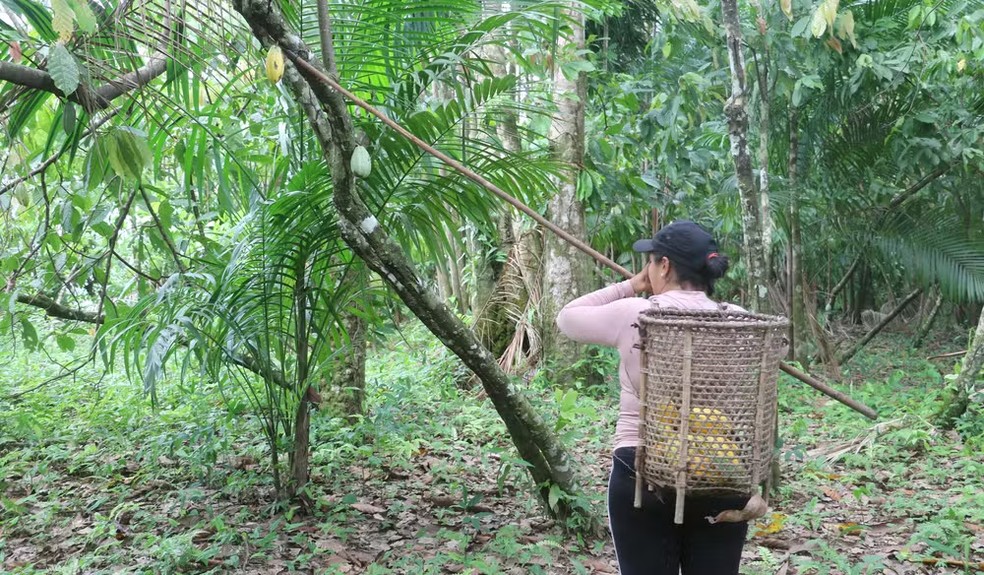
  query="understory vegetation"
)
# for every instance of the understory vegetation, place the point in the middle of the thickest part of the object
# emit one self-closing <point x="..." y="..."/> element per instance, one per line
<point x="94" y="478"/>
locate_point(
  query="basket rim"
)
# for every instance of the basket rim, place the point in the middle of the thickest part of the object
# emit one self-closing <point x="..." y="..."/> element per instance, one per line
<point x="657" y="315"/>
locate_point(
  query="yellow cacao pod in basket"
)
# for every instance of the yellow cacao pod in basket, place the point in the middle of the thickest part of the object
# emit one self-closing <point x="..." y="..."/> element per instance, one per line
<point x="709" y="421"/>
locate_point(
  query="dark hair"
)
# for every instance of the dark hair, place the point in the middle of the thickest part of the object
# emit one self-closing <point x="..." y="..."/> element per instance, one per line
<point x="714" y="268"/>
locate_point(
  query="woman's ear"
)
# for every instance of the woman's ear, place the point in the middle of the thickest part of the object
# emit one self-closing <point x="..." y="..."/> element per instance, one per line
<point x="664" y="267"/>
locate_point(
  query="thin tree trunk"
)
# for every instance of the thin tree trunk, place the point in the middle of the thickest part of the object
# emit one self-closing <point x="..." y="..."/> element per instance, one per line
<point x="800" y="325"/>
<point x="927" y="324"/>
<point x="842" y="283"/>
<point x="881" y="325"/>
<point x="300" y="450"/>
<point x="549" y="463"/>
<point x="764" y="127"/>
<point x="566" y="271"/>
<point x="348" y="380"/>
<point x="736" y="110"/>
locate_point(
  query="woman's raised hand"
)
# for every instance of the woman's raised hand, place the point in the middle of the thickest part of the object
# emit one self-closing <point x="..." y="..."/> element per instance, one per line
<point x="640" y="282"/>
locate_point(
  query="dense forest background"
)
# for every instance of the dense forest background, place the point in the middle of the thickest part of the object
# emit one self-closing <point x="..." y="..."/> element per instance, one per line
<point x="248" y="326"/>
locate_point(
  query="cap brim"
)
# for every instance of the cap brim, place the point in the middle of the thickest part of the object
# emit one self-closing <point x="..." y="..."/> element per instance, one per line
<point x="643" y="246"/>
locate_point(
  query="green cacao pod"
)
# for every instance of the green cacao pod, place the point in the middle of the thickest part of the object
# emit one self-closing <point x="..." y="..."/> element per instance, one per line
<point x="361" y="163"/>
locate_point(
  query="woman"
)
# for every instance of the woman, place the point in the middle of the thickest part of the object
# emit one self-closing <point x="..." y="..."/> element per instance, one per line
<point x="683" y="266"/>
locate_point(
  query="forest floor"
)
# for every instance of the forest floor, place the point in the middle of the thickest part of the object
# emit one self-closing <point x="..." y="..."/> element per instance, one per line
<point x="93" y="479"/>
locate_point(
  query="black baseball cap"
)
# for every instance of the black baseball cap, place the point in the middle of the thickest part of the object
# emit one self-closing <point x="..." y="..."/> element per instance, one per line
<point x="683" y="242"/>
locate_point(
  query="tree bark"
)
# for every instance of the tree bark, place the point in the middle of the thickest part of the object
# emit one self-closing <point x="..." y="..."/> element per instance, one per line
<point x="566" y="272"/>
<point x="876" y="329"/>
<point x="797" y="276"/>
<point x="348" y="381"/>
<point x="765" y="102"/>
<point x="927" y="324"/>
<point x="328" y="114"/>
<point x="736" y="110"/>
<point x="970" y="369"/>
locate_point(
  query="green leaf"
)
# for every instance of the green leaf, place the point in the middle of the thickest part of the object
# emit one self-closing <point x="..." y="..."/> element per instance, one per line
<point x="554" y="497"/>
<point x="63" y="68"/>
<point x="84" y="16"/>
<point x="29" y="334"/>
<point x="65" y="342"/>
<point x="800" y="28"/>
<point x="97" y="165"/>
<point x="68" y="118"/>
<point x="573" y="68"/>
<point x="129" y="153"/>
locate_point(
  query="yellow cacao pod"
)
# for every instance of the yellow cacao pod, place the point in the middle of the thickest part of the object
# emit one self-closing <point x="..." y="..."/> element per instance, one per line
<point x="361" y="163"/>
<point x="275" y="64"/>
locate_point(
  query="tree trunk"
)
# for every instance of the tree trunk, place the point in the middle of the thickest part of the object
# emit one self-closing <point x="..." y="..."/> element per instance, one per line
<point x="549" y="463"/>
<point x="842" y="283"/>
<point x="736" y="110"/>
<point x="965" y="383"/>
<point x="348" y="381"/>
<point x="300" y="449"/>
<point x="927" y="324"/>
<point x="566" y="271"/>
<point x="764" y="127"/>
<point x="800" y="324"/>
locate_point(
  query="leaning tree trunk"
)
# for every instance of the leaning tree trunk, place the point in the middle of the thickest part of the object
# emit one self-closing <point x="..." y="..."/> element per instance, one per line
<point x="736" y="110"/>
<point x="549" y="463"/>
<point x="930" y="319"/>
<point x="970" y="369"/>
<point x="566" y="271"/>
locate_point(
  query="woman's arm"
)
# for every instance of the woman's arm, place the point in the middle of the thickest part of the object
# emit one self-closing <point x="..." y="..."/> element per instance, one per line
<point x="599" y="316"/>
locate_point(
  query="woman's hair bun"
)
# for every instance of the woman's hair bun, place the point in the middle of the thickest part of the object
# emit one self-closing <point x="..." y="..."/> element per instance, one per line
<point x="716" y="266"/>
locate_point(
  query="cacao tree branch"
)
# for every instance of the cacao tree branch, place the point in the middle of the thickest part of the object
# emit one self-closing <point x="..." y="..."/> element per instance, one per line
<point x="92" y="99"/>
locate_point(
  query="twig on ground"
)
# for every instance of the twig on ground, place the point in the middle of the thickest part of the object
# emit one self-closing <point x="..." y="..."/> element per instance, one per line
<point x="946" y="355"/>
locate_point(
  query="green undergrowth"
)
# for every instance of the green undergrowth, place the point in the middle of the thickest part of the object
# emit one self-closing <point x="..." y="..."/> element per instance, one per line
<point x="94" y="479"/>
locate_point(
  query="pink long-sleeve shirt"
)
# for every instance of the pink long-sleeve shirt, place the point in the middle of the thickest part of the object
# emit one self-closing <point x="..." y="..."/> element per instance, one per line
<point x="605" y="317"/>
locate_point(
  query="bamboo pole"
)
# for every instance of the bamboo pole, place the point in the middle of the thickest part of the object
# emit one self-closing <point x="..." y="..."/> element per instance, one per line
<point x="478" y="179"/>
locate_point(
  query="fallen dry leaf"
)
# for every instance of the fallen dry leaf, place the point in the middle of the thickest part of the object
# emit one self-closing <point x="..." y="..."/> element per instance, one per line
<point x="367" y="508"/>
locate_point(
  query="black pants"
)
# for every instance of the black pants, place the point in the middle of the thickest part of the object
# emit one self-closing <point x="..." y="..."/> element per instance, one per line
<point x="647" y="542"/>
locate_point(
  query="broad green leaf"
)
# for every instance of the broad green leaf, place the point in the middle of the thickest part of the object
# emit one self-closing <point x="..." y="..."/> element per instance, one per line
<point x="65" y="342"/>
<point x="555" y="495"/>
<point x="84" y="16"/>
<point x="63" y="20"/>
<point x="129" y="153"/>
<point x="29" y="334"/>
<point x="801" y="27"/>
<point x="63" y="68"/>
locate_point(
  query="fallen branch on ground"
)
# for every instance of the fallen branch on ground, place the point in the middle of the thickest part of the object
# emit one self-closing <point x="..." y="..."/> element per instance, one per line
<point x="947" y="355"/>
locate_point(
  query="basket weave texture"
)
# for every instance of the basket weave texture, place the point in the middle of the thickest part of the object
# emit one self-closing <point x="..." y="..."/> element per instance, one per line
<point x="709" y="398"/>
